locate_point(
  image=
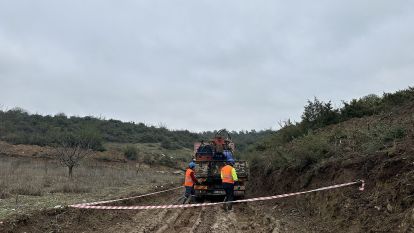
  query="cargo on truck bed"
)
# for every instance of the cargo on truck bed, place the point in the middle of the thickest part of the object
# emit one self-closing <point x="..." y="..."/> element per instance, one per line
<point x="205" y="169"/>
<point x="210" y="157"/>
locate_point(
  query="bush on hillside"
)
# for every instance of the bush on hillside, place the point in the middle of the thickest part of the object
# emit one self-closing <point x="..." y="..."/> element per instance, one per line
<point x="318" y="114"/>
<point x="131" y="152"/>
<point x="366" y="106"/>
<point x="288" y="132"/>
<point x="382" y="136"/>
<point x="400" y="97"/>
<point x="310" y="149"/>
<point x="149" y="159"/>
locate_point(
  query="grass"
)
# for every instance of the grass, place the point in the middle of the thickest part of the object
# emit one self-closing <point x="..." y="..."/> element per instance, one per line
<point x="28" y="184"/>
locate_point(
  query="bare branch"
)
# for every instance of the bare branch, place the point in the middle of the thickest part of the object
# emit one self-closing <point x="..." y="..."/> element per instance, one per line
<point x="71" y="151"/>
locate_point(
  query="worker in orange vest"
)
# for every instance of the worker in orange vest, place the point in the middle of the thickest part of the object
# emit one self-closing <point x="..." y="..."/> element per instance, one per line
<point x="189" y="182"/>
<point x="228" y="178"/>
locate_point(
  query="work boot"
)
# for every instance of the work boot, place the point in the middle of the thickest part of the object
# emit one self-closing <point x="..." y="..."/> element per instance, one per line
<point x="185" y="200"/>
<point x="180" y="200"/>
<point x="191" y="199"/>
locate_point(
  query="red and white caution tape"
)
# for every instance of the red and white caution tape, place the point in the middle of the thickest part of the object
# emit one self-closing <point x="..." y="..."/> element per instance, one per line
<point x="124" y="199"/>
<point x="94" y="204"/>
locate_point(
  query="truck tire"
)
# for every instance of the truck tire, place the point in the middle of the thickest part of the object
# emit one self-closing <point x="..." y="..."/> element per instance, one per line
<point x="199" y="199"/>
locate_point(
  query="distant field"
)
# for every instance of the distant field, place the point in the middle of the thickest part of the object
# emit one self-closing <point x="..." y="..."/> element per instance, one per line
<point x="29" y="183"/>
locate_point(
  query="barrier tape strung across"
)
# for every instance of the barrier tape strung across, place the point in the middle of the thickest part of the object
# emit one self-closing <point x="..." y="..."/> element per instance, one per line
<point x="94" y="205"/>
<point x="124" y="199"/>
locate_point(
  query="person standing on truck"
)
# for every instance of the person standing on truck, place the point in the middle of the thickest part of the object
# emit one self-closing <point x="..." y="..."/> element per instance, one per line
<point x="189" y="182"/>
<point x="228" y="155"/>
<point x="228" y="178"/>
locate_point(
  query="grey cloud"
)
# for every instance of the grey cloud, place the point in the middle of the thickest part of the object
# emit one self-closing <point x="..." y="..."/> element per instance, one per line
<point x="200" y="65"/>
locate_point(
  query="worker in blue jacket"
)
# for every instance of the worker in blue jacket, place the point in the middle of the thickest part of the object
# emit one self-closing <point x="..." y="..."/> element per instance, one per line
<point x="228" y="155"/>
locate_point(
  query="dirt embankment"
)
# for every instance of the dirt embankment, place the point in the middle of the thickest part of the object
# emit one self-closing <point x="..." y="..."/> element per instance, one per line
<point x="386" y="205"/>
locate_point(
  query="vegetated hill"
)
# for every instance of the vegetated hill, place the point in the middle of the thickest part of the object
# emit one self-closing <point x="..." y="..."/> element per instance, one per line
<point x="17" y="126"/>
<point x="371" y="138"/>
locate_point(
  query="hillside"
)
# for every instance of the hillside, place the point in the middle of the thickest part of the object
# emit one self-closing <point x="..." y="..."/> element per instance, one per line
<point x="377" y="147"/>
<point x="17" y="126"/>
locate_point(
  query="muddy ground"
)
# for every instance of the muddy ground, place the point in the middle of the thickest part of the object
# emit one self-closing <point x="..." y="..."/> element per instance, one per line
<point x="251" y="217"/>
<point x="387" y="205"/>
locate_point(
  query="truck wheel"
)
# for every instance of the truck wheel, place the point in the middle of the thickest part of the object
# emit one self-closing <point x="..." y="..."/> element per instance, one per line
<point x="199" y="199"/>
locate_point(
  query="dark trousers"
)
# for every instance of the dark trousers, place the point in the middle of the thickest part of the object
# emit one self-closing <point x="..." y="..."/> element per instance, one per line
<point x="189" y="190"/>
<point x="188" y="195"/>
<point x="229" y="189"/>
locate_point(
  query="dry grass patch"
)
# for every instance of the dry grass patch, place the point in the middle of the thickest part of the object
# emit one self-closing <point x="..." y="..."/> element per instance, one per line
<point x="70" y="188"/>
<point x="28" y="184"/>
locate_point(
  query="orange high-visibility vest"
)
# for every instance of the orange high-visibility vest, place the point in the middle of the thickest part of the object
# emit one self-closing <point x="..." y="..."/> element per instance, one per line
<point x="188" y="181"/>
<point x="226" y="174"/>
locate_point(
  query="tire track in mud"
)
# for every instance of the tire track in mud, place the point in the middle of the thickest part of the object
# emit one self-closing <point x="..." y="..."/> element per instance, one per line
<point x="243" y="218"/>
<point x="185" y="222"/>
<point x="149" y="220"/>
<point x="205" y="219"/>
<point x="225" y="221"/>
<point x="181" y="221"/>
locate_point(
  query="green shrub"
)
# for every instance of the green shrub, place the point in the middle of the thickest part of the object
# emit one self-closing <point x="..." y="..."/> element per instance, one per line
<point x="394" y="133"/>
<point x="365" y="106"/>
<point x="310" y="149"/>
<point x="131" y="152"/>
<point x="378" y="137"/>
<point x="318" y="114"/>
<point x="398" y="98"/>
<point x="149" y="159"/>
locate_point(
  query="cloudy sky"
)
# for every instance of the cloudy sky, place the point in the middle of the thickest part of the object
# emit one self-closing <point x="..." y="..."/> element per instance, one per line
<point x="200" y="65"/>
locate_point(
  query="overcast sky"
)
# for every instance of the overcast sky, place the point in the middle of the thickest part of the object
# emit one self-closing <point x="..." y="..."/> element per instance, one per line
<point x="200" y="65"/>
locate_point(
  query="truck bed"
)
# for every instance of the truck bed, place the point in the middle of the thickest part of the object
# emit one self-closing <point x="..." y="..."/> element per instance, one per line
<point x="211" y="169"/>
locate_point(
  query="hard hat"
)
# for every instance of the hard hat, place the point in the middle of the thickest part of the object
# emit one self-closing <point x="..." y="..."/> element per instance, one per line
<point x="230" y="161"/>
<point x="191" y="165"/>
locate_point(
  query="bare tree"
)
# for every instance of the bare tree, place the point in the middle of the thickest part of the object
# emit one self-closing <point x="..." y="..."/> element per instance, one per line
<point x="71" y="150"/>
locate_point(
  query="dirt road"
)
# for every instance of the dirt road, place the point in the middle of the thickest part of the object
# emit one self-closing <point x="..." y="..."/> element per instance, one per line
<point x="251" y="217"/>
